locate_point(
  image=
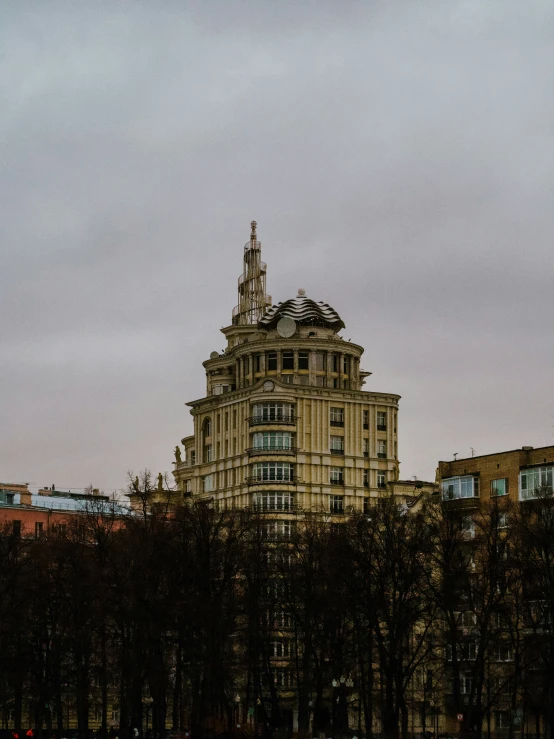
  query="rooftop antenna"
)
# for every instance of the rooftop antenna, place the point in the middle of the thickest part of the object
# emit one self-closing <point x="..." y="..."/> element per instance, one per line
<point x="455" y="455"/>
<point x="253" y="301"/>
<point x="472" y="451"/>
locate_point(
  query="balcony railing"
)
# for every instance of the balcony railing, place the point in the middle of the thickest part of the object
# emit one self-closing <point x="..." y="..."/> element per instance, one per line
<point x="257" y="450"/>
<point x="337" y="482"/>
<point x="339" y="424"/>
<point x="337" y="451"/>
<point x="277" y="507"/>
<point x="288" y="419"/>
<point x="461" y="503"/>
<point x="381" y="455"/>
<point x="262" y="480"/>
<point x="366" y="454"/>
<point x="381" y="427"/>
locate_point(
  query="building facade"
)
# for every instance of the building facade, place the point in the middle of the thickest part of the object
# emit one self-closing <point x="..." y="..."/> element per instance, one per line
<point x="286" y="422"/>
<point x="517" y="475"/>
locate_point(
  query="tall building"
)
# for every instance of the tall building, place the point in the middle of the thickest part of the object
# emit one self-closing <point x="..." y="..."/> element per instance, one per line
<point x="286" y="422"/>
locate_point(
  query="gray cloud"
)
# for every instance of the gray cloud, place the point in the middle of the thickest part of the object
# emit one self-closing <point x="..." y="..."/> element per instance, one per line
<point x="397" y="156"/>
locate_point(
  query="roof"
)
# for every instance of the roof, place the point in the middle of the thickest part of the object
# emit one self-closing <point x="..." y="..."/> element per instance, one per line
<point x="303" y="311"/>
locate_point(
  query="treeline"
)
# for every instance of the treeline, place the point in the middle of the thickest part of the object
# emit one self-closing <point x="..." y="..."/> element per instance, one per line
<point x="205" y="619"/>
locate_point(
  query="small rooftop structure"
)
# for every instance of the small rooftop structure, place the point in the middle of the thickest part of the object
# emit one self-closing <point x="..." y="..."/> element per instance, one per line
<point x="304" y="311"/>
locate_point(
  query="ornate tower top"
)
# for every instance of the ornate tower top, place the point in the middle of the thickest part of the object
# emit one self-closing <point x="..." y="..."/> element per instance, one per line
<point x="252" y="299"/>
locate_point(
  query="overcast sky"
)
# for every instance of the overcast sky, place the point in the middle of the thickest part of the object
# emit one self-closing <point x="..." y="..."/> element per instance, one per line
<point x="398" y="157"/>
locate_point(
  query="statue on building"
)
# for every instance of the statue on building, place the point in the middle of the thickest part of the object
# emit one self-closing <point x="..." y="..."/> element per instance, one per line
<point x="178" y="455"/>
<point x="160" y="481"/>
<point x="136" y="484"/>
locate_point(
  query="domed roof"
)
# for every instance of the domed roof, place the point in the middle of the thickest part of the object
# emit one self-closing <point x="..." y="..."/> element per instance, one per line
<point x="304" y="311"/>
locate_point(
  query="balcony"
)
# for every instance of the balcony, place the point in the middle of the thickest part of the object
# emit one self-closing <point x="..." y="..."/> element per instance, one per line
<point x="277" y="508"/>
<point x="260" y="480"/>
<point x="258" y="450"/>
<point x="338" y="451"/>
<point x="337" y="482"/>
<point x="381" y="455"/>
<point x="366" y="454"/>
<point x="284" y="419"/>
<point x="338" y="424"/>
<point x="381" y="427"/>
<point x="458" y="504"/>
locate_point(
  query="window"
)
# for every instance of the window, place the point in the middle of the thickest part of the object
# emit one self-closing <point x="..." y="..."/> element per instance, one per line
<point x="10" y="498"/>
<point x="188" y="486"/>
<point x="337" y="416"/>
<point x="275" y="530"/>
<point x="272" y="361"/>
<point x="246" y="365"/>
<point x="366" y="419"/>
<point x="288" y="360"/>
<point x="208" y="453"/>
<point x="221" y="389"/>
<point x="336" y="383"/>
<point x="273" y="471"/>
<point x="282" y="619"/>
<point x="381" y="421"/>
<point x="381" y="479"/>
<point x="467" y="651"/>
<point x="337" y="476"/>
<point x="257" y="362"/>
<point x="533" y="482"/>
<point x="466" y="682"/>
<point x="98" y="715"/>
<point x="502" y="719"/>
<point x="272" y="440"/>
<point x="193" y="457"/>
<point x="499" y="487"/>
<point x="366" y="478"/>
<point x="39" y="526"/>
<point x="280" y="648"/>
<point x="337" y="504"/>
<point x="16" y="528"/>
<point x="282" y="677"/>
<point x="337" y="445"/>
<point x="272" y="501"/>
<point x="207" y="427"/>
<point x="303" y="360"/>
<point x="367" y="505"/>
<point x="273" y="412"/>
<point x="345" y="365"/>
<point x="320" y="361"/>
<point x="468" y="619"/>
<point x="335" y="362"/>
<point x="115" y="715"/>
<point x="208" y="483"/>
<point x="382" y="449"/>
<point x="468" y="527"/>
<point x="502" y="520"/>
<point x="460" y="487"/>
<point x="504" y="653"/>
<point x="366" y="447"/>
<point x="287" y="379"/>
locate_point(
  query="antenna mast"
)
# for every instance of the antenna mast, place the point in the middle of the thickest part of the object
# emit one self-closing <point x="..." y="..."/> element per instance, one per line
<point x="252" y="301"/>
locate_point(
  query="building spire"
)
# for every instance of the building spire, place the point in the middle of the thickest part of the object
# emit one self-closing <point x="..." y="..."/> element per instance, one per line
<point x="252" y="300"/>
